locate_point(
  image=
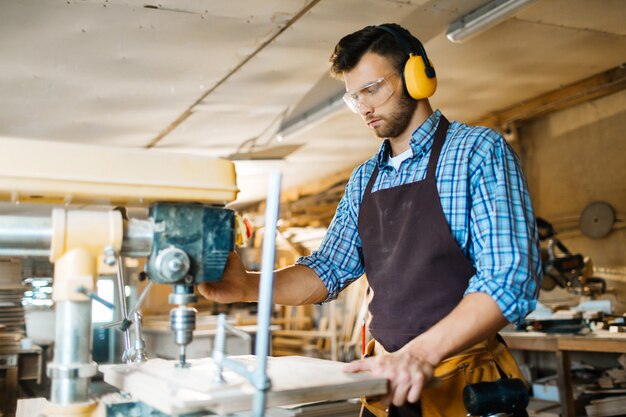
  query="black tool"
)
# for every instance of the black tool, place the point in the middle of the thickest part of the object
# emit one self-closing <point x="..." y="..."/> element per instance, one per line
<point x="505" y="396"/>
<point x="564" y="268"/>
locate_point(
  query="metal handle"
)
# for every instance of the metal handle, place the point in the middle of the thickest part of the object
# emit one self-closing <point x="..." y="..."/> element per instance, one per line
<point x="121" y="289"/>
<point x="95" y="297"/>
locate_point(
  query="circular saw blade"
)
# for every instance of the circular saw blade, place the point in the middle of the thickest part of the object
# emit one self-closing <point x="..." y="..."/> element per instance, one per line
<point x="597" y="219"/>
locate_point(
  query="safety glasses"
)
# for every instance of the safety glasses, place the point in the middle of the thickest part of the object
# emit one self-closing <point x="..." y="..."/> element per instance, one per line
<point x="371" y="95"/>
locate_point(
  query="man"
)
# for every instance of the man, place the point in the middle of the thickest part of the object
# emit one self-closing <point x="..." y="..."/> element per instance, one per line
<point x="439" y="220"/>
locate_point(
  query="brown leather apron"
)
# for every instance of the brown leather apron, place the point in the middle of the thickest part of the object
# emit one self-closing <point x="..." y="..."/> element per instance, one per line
<point x="414" y="266"/>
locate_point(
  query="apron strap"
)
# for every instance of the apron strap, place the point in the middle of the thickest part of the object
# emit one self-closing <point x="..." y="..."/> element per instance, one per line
<point x="440" y="138"/>
<point x="370" y="183"/>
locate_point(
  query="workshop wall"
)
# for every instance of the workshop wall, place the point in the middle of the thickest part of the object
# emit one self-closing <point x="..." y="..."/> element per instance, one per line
<point x="575" y="157"/>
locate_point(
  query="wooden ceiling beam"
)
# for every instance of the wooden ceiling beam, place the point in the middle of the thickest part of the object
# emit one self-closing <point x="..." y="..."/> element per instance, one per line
<point x="588" y="89"/>
<point x="315" y="202"/>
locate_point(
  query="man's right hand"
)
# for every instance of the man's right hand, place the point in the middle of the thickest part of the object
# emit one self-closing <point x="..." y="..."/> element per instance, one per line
<point x="236" y="284"/>
<point x="293" y="285"/>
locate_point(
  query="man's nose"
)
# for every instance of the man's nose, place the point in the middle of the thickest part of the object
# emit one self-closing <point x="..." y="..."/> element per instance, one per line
<point x="364" y="109"/>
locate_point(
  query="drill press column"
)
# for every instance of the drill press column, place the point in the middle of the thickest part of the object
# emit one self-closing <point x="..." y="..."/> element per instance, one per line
<point x="78" y="238"/>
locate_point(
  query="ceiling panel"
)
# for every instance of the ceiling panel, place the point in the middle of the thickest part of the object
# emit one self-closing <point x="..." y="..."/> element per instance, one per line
<point x="516" y="61"/>
<point x="79" y="71"/>
<point x="120" y="73"/>
<point x="255" y="98"/>
<point x="606" y="16"/>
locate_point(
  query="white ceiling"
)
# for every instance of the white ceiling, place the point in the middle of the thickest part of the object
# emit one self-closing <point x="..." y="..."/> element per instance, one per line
<point x="215" y="77"/>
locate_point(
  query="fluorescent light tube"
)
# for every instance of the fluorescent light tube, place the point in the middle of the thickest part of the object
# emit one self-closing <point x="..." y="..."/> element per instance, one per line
<point x="483" y="18"/>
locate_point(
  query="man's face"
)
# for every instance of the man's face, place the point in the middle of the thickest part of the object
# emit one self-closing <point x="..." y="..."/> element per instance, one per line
<point x="391" y="117"/>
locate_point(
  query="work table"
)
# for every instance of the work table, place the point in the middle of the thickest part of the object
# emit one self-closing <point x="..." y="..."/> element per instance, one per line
<point x="562" y="345"/>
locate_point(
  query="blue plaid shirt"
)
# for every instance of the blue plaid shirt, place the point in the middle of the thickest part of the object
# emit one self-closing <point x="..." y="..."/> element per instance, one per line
<point x="485" y="200"/>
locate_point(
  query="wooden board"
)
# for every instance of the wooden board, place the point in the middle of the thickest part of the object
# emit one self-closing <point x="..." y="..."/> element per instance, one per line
<point x="295" y="379"/>
<point x="614" y="406"/>
<point x="30" y="407"/>
<point x="322" y="409"/>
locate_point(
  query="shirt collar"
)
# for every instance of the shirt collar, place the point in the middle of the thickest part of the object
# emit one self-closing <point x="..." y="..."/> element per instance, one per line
<point x="421" y="139"/>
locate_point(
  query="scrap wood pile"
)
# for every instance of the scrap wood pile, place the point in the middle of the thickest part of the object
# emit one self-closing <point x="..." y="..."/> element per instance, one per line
<point x="613" y="384"/>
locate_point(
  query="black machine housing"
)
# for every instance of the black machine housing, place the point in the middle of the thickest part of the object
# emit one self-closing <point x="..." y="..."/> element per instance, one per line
<point x="206" y="234"/>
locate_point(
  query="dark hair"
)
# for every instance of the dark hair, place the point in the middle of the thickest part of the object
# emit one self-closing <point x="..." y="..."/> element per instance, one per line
<point x="352" y="47"/>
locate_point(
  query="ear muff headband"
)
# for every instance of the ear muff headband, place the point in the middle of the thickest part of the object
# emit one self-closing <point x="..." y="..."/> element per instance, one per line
<point x="419" y="75"/>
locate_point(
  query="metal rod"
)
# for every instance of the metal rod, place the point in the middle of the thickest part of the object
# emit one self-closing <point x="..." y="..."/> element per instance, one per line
<point x="25" y="236"/>
<point x="257" y="376"/>
<point x="22" y="236"/>
<point x="71" y="353"/>
<point x="121" y="291"/>
<point x="219" y="352"/>
<point x="219" y="348"/>
<point x="142" y="297"/>
<point x="140" y="344"/>
<point x="262" y="382"/>
<point x="95" y="297"/>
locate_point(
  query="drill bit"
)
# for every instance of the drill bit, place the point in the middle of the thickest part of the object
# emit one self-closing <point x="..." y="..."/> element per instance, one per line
<point x="182" y="357"/>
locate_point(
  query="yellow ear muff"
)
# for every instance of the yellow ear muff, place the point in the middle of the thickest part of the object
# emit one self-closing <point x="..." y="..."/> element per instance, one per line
<point x="420" y="79"/>
<point x="417" y="82"/>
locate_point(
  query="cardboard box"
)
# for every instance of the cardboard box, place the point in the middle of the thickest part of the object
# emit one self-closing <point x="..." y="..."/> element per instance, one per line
<point x="546" y="388"/>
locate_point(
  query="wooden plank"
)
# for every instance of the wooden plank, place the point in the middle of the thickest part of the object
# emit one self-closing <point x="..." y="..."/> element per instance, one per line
<point x="588" y="89"/>
<point x="525" y="341"/>
<point x="608" y="400"/>
<point x="30" y="407"/>
<point x="8" y="398"/>
<point x="611" y="407"/>
<point x="294" y="379"/>
<point x="563" y="370"/>
<point x="547" y="342"/>
<point x="302" y="333"/>
<point x="591" y="344"/>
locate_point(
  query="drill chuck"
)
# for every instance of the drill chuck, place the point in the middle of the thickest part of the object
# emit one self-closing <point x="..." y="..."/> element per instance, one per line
<point x="183" y="321"/>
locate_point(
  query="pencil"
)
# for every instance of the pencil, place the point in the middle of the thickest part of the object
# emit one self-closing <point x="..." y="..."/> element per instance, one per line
<point x="363" y="339"/>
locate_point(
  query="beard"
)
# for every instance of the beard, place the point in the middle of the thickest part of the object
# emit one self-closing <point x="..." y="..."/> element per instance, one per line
<point x="399" y="119"/>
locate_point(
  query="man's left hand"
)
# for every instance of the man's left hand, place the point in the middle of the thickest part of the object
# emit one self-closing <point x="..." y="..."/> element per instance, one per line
<point x="407" y="375"/>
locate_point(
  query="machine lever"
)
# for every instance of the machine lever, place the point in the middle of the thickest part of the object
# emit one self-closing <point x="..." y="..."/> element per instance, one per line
<point x="95" y="297"/>
<point x="125" y="322"/>
<point x="140" y="300"/>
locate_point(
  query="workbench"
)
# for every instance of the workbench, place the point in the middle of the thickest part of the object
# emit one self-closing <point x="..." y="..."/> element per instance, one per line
<point x="562" y="345"/>
<point x="17" y="365"/>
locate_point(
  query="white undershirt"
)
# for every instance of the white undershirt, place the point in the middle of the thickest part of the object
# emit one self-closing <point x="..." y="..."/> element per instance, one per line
<point x="397" y="160"/>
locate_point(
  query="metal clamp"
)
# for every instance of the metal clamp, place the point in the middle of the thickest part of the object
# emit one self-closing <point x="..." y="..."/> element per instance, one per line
<point x="219" y="351"/>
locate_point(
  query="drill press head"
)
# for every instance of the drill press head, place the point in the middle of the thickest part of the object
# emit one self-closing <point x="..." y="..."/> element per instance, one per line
<point x="191" y="246"/>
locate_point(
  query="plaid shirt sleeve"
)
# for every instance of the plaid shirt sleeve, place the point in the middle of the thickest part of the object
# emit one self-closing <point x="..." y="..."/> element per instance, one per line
<point x="503" y="233"/>
<point x="339" y="259"/>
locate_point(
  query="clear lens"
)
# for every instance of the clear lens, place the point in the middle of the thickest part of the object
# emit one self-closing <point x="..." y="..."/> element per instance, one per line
<point x="372" y="95"/>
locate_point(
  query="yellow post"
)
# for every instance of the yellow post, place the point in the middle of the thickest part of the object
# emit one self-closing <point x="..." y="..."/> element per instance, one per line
<point x="78" y="239"/>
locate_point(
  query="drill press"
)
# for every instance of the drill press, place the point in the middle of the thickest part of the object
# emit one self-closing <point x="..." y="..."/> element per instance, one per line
<point x="190" y="246"/>
<point x="186" y="239"/>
